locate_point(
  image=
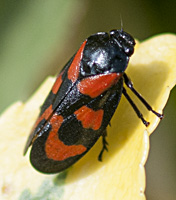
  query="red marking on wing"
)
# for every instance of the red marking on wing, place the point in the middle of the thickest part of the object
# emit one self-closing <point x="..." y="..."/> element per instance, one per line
<point x="90" y="118"/>
<point x="55" y="148"/>
<point x="73" y="71"/>
<point x="96" y="85"/>
<point x="45" y="116"/>
<point x="33" y="137"/>
<point x="57" y="83"/>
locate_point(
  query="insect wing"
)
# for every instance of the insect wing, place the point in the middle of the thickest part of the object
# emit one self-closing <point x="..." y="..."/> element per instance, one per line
<point x="69" y="135"/>
<point x="61" y="87"/>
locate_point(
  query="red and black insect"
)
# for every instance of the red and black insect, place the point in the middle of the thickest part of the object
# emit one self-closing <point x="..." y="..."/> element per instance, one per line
<point x="82" y="102"/>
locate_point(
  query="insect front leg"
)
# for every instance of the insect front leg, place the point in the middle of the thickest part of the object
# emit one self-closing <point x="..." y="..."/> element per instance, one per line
<point x="137" y="111"/>
<point x="129" y="84"/>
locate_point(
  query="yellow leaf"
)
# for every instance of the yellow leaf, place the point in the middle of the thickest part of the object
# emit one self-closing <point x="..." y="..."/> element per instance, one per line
<point x="121" y="175"/>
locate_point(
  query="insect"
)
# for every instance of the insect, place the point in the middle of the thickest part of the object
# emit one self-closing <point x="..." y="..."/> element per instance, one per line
<point x="82" y="102"/>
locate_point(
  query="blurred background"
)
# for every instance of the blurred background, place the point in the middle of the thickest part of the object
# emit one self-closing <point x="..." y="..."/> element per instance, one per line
<point x="38" y="37"/>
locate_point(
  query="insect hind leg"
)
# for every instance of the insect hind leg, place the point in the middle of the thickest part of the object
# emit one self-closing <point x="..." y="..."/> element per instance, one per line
<point x="105" y="143"/>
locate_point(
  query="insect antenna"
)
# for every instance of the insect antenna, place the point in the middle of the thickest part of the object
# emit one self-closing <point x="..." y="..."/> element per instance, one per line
<point x="121" y="23"/>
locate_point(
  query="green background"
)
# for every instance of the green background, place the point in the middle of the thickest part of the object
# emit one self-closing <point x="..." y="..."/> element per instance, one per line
<point x="37" y="38"/>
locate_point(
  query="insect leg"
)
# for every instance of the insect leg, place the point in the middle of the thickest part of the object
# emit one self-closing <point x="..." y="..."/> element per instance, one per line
<point x="139" y="114"/>
<point x="129" y="84"/>
<point x="105" y="143"/>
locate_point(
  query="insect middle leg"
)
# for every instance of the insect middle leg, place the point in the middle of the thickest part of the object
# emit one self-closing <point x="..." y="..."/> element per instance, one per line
<point x="129" y="84"/>
<point x="139" y="114"/>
